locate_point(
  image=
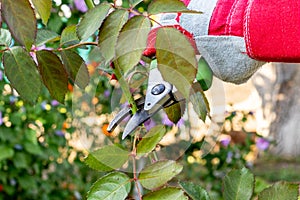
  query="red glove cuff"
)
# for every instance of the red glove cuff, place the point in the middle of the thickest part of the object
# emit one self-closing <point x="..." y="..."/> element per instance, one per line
<point x="272" y="30"/>
<point x="227" y="18"/>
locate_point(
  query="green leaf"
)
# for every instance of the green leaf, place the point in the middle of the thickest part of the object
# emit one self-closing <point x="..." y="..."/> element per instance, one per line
<point x="16" y="118"/>
<point x="7" y="134"/>
<point x="109" y="32"/>
<point x="134" y="3"/>
<point x="138" y="76"/>
<point x="5" y="37"/>
<point x="176" y="59"/>
<point x="69" y="36"/>
<point x="238" y="184"/>
<point x="260" y="184"/>
<point x="44" y="36"/>
<point x="6" y="152"/>
<point x="113" y="186"/>
<point x="76" y="68"/>
<point x="167" y="6"/>
<point x="132" y="42"/>
<point x="199" y="102"/>
<point x="196" y="192"/>
<point x="150" y="140"/>
<point x="95" y="164"/>
<point x="20" y="160"/>
<point x="95" y="56"/>
<point x="204" y="74"/>
<point x="53" y="73"/>
<point x="175" y="111"/>
<point x="22" y="73"/>
<point x="32" y="148"/>
<point x="30" y="136"/>
<point x="21" y="21"/>
<point x="159" y="173"/>
<point x="43" y="7"/>
<point x="169" y="193"/>
<point x="27" y="182"/>
<point x="92" y="21"/>
<point x="55" y="23"/>
<point x="111" y="156"/>
<point x="279" y="191"/>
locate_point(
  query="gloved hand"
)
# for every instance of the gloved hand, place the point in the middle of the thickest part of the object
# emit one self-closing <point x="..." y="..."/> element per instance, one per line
<point x="218" y="33"/>
<point x="231" y="32"/>
<point x="236" y="37"/>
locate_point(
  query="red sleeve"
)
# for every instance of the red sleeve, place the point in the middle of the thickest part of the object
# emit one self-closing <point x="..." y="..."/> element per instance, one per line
<point x="272" y="30"/>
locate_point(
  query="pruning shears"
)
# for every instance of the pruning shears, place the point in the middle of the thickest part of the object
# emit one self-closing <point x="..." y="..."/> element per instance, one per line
<point x="160" y="94"/>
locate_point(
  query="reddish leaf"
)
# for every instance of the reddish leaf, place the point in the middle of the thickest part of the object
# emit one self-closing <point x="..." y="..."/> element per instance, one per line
<point x="76" y="68"/>
<point x="53" y="73"/>
<point x="175" y="112"/>
<point x="176" y="59"/>
<point x="132" y="42"/>
<point x="22" y="73"/>
<point x="151" y="40"/>
<point x="21" y="21"/>
<point x="109" y="32"/>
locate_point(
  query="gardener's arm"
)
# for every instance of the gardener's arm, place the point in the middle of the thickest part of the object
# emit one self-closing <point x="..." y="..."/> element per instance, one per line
<point x="270" y="29"/>
<point x="236" y="37"/>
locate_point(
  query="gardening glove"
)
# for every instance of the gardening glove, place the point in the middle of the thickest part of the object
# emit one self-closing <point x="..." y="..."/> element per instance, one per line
<point x="218" y="33"/>
<point x="236" y="37"/>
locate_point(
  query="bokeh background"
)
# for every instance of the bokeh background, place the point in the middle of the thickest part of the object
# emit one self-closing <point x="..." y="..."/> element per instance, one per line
<point x="42" y="147"/>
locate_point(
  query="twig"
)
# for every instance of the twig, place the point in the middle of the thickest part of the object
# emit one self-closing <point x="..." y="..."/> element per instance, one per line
<point x="133" y="154"/>
<point x="78" y="45"/>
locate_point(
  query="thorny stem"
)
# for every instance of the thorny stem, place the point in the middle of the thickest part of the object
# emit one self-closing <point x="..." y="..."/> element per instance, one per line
<point x="134" y="12"/>
<point x="3" y="50"/>
<point x="126" y="90"/>
<point x="155" y="21"/>
<point x="129" y="97"/>
<point x="135" y="179"/>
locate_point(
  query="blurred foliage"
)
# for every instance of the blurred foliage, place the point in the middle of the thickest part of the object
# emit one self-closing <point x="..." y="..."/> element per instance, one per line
<point x="234" y="149"/>
<point x="36" y="161"/>
<point x="274" y="168"/>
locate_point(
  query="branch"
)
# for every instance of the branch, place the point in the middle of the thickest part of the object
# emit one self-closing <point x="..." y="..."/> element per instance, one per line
<point x="3" y="50"/>
<point x="77" y="45"/>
